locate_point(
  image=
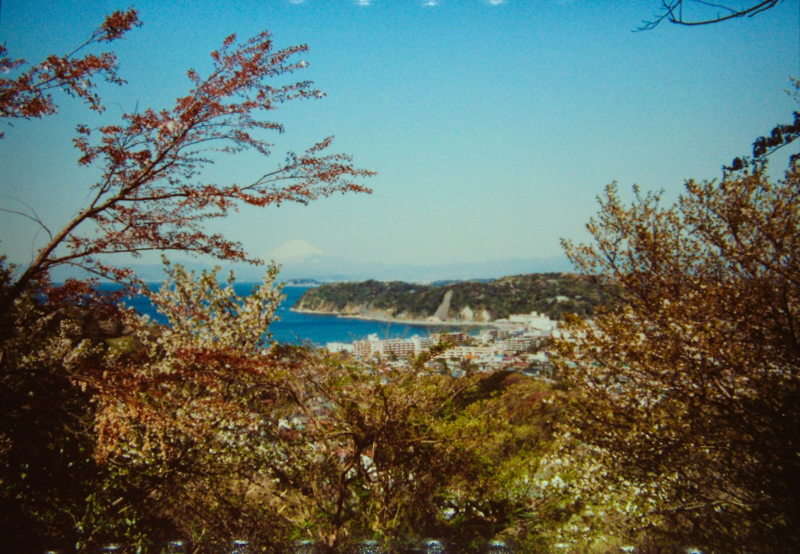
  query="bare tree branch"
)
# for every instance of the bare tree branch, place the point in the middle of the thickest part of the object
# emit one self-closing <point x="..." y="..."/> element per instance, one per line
<point x="35" y="217"/>
<point x="674" y="12"/>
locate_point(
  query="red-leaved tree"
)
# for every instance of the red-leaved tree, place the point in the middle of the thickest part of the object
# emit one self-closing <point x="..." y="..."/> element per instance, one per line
<point x="152" y="195"/>
<point x="27" y="96"/>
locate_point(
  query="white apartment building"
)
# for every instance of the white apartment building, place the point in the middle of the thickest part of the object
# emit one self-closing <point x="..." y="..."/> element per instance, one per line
<point x="373" y="346"/>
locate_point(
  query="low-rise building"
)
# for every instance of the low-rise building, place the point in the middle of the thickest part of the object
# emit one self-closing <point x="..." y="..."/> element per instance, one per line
<point x="373" y="346"/>
<point x="518" y="344"/>
<point x="469" y="352"/>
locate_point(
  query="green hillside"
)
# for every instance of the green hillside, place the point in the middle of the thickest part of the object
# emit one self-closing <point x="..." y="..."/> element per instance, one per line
<point x="552" y="294"/>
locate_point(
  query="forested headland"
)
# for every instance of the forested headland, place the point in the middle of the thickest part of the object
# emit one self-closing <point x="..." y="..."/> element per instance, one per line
<point x="551" y="294"/>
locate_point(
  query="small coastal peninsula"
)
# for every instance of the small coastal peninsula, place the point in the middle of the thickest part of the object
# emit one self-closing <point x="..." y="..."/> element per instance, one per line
<point x="468" y="302"/>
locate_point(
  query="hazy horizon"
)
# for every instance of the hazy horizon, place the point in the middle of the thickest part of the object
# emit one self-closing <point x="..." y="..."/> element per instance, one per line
<point x="329" y="269"/>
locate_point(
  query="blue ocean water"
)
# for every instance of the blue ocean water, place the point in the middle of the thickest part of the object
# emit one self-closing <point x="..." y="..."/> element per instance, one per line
<point x="299" y="328"/>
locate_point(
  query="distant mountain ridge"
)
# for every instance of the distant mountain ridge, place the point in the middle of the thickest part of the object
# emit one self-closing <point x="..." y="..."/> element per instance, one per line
<point x="552" y="294"/>
<point x="331" y="269"/>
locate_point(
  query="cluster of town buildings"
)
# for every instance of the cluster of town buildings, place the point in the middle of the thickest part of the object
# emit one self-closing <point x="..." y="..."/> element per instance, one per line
<point x="513" y="343"/>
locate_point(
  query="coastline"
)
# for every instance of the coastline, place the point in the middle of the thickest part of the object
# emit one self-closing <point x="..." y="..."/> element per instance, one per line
<point x="420" y="322"/>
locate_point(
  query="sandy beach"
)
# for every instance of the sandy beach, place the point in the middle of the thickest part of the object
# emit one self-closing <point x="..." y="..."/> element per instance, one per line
<point x="422" y="322"/>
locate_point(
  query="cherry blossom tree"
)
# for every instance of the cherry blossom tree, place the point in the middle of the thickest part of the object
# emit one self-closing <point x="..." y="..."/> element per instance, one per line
<point x="685" y="399"/>
<point x="204" y="428"/>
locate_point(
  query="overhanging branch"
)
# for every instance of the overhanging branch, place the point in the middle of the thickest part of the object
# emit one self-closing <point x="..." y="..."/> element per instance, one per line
<point x="673" y="11"/>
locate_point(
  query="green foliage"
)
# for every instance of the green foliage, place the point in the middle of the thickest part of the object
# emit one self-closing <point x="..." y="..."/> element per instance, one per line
<point x="552" y="294"/>
<point x="200" y="432"/>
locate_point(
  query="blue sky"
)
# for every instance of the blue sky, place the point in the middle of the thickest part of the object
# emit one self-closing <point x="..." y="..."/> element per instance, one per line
<point x="493" y="126"/>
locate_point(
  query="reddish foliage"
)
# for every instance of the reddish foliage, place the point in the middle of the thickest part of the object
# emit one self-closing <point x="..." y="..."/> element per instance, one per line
<point x="28" y="95"/>
<point x="150" y="196"/>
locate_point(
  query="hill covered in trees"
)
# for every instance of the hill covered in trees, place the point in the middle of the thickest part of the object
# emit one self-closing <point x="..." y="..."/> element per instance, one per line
<point x="552" y="294"/>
